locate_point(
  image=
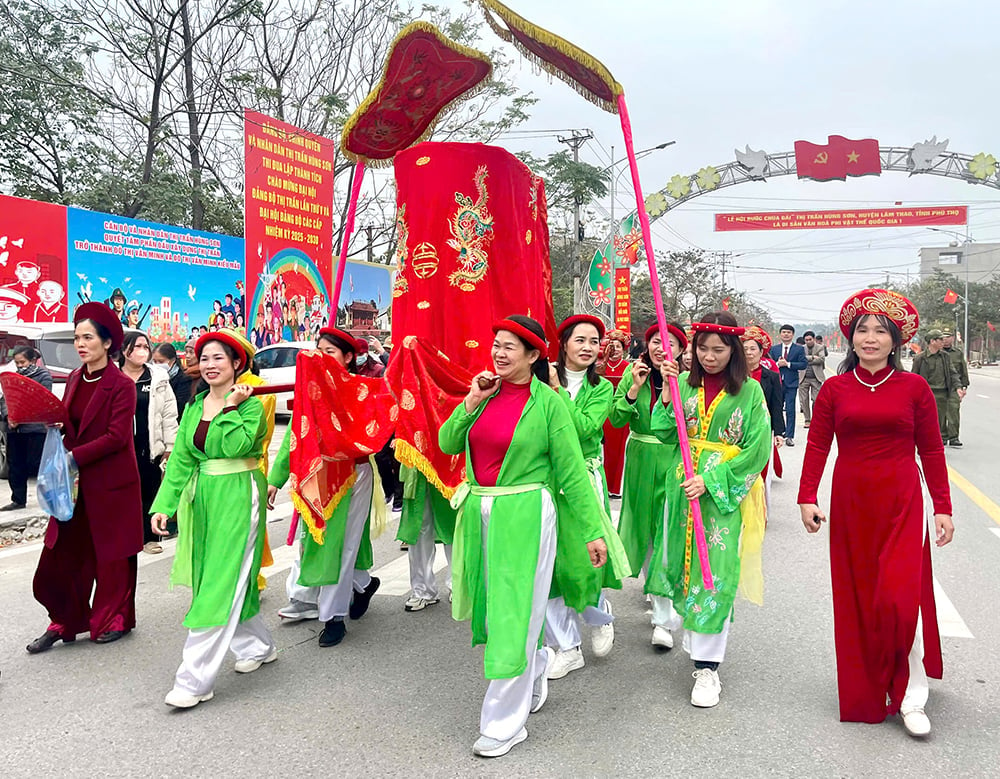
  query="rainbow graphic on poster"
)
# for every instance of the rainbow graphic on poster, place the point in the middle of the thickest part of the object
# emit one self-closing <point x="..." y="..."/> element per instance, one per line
<point x="290" y="300"/>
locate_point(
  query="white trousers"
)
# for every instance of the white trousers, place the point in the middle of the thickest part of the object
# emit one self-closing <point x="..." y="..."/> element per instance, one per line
<point x="917" y="688"/>
<point x="294" y="590"/>
<point x="702" y="647"/>
<point x="562" y="624"/>
<point x="205" y="648"/>
<point x="421" y="557"/>
<point x="335" y="599"/>
<point x="508" y="701"/>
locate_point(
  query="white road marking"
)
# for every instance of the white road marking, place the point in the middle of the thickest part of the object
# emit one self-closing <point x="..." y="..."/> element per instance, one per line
<point x="950" y="622"/>
<point x="995" y="531"/>
<point x="985" y="397"/>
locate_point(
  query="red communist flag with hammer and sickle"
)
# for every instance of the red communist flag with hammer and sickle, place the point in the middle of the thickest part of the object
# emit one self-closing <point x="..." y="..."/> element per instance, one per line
<point x="839" y="158"/>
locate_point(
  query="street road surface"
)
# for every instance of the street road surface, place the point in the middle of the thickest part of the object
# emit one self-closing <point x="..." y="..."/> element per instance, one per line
<point x="401" y="695"/>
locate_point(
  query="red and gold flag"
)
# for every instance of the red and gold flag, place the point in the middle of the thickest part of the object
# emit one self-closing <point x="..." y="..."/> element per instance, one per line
<point x="427" y="386"/>
<point x="839" y="158"/>
<point x="951" y="296"/>
<point x="337" y="419"/>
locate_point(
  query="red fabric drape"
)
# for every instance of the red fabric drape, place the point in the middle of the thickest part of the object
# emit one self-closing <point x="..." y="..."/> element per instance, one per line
<point x="427" y="386"/>
<point x="473" y="247"/>
<point x="337" y="419"/>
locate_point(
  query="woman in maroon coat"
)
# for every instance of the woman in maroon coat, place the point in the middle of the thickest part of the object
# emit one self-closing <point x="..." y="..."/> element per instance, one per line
<point x="883" y="519"/>
<point x="100" y="543"/>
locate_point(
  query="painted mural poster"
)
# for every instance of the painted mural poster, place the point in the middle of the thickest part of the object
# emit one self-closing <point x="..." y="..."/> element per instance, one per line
<point x="289" y="230"/>
<point x="365" y="305"/>
<point x="162" y="279"/>
<point x="33" y="284"/>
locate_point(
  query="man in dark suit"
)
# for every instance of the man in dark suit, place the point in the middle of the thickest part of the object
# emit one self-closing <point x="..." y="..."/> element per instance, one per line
<point x="791" y="358"/>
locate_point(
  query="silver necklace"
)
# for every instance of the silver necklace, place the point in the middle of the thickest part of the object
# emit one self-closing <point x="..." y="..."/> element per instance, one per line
<point x="873" y="386"/>
<point x="91" y="381"/>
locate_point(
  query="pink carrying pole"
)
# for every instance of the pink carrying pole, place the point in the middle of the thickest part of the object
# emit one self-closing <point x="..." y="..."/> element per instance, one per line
<point x="293" y="528"/>
<point x="661" y="320"/>
<point x="352" y="210"/>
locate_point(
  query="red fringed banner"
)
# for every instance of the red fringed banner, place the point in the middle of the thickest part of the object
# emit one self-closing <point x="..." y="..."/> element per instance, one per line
<point x="338" y="418"/>
<point x="427" y="386"/>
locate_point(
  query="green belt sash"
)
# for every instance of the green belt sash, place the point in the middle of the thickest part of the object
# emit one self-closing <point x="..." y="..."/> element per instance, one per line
<point x="180" y="573"/>
<point x="645" y="438"/>
<point x="465" y="489"/>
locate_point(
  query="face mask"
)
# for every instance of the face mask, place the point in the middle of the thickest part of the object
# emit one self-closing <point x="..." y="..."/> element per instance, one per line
<point x="173" y="369"/>
<point x="362" y="359"/>
<point x="24" y="369"/>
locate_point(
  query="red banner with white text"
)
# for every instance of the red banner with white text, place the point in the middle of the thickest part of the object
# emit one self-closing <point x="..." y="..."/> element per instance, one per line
<point x="918" y="216"/>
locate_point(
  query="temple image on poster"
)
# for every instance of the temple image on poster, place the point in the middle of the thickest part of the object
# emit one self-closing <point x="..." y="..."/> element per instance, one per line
<point x="366" y="300"/>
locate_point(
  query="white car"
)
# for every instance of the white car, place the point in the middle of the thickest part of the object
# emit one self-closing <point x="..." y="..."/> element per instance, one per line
<point x="276" y="364"/>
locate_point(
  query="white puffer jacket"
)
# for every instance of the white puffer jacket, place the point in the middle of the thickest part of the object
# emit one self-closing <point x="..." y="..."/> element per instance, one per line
<point x="162" y="412"/>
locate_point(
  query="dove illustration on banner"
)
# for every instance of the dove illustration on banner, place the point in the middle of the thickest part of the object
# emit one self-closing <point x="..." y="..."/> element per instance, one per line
<point x="81" y="276"/>
<point x="191" y="291"/>
<point x="19" y="243"/>
<point x="102" y="279"/>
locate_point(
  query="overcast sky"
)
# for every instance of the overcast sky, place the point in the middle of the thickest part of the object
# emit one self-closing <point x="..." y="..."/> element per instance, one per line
<point x="717" y="75"/>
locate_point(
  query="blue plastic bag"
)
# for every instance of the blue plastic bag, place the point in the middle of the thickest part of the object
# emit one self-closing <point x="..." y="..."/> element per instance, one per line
<point x="58" y="478"/>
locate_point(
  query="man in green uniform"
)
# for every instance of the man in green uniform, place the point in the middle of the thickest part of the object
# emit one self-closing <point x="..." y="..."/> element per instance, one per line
<point x="935" y="366"/>
<point x="955" y="400"/>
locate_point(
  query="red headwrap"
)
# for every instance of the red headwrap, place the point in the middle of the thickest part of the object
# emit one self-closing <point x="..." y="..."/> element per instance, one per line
<point x="523" y="333"/>
<point x="679" y="334"/>
<point x="582" y="319"/>
<point x="880" y="301"/>
<point x="712" y="327"/>
<point x="345" y="339"/>
<point x="223" y="337"/>
<point x="756" y="333"/>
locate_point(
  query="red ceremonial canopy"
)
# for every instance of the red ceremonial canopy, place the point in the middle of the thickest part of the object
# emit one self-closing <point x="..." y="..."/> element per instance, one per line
<point x="586" y="74"/>
<point x="424" y="73"/>
<point x="472" y="248"/>
<point x="594" y="81"/>
<point x="338" y="418"/>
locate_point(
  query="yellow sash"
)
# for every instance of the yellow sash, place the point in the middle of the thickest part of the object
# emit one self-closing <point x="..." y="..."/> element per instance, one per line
<point x="753" y="513"/>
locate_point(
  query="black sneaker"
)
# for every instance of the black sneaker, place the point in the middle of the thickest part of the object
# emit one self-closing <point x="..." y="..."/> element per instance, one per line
<point x="789" y="442"/>
<point x="954" y="442"/>
<point x="12" y="507"/>
<point x="333" y="632"/>
<point x="359" y="605"/>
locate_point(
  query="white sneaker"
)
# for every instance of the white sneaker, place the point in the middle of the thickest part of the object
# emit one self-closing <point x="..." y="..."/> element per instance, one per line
<point x="540" y="688"/>
<point x="916" y="723"/>
<point x="706" y="690"/>
<point x="413" y="603"/>
<point x="250" y="665"/>
<point x="602" y="638"/>
<point x="298" y="610"/>
<point x="491" y="747"/>
<point x="565" y="661"/>
<point x="662" y="638"/>
<point x="185" y="700"/>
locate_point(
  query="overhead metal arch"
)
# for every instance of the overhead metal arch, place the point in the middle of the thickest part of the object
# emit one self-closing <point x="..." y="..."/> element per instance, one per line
<point x="620" y="249"/>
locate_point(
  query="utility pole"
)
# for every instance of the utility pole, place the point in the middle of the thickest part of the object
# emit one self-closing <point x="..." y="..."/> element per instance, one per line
<point x="371" y="249"/>
<point x="575" y="141"/>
